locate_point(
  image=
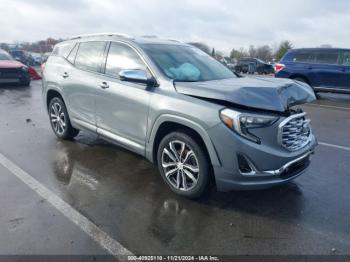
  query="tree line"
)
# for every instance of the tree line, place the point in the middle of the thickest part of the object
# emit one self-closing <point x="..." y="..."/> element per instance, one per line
<point x="264" y="52"/>
<point x="42" y="46"/>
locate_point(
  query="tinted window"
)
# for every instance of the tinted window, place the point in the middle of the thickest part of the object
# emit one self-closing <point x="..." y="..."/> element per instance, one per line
<point x="62" y="49"/>
<point x="73" y="53"/>
<point x="346" y="58"/>
<point x="89" y="56"/>
<point x="186" y="63"/>
<point x="121" y="56"/>
<point x="304" y="57"/>
<point x="327" y="57"/>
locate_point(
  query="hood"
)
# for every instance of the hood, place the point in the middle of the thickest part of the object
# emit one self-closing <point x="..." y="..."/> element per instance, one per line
<point x="10" y="64"/>
<point x="260" y="93"/>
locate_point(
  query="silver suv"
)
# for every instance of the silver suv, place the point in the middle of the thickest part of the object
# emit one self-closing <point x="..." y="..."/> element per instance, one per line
<point x="182" y="110"/>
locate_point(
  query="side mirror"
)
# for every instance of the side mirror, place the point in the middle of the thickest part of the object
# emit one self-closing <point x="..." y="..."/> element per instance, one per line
<point x="136" y="76"/>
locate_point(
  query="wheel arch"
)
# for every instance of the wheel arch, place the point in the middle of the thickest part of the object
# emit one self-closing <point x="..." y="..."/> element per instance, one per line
<point x="50" y="94"/>
<point x="294" y="76"/>
<point x="166" y="124"/>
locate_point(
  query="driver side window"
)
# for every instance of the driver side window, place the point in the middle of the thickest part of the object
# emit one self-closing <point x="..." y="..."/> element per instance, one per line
<point x="121" y="57"/>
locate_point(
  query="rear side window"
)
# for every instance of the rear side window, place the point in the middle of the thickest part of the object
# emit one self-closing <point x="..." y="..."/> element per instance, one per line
<point x="345" y="59"/>
<point x="304" y="57"/>
<point x="62" y="49"/>
<point x="120" y="57"/>
<point x="89" y="56"/>
<point x="73" y="54"/>
<point x="327" y="57"/>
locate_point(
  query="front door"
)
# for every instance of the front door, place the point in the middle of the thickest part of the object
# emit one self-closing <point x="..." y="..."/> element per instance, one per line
<point x="122" y="107"/>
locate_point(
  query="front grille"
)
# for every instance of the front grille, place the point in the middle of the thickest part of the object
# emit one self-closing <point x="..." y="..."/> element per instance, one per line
<point x="296" y="167"/>
<point x="294" y="132"/>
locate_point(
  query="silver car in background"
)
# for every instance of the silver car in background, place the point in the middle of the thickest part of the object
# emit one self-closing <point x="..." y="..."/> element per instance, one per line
<point x="173" y="104"/>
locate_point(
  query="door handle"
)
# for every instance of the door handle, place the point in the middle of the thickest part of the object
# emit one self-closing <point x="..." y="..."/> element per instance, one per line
<point x="104" y="85"/>
<point x="65" y="75"/>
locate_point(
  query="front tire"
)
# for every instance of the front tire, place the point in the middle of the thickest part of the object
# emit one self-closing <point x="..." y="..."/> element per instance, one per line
<point x="60" y="121"/>
<point x="183" y="165"/>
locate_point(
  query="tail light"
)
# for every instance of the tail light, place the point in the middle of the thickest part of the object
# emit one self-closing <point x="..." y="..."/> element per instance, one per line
<point x="279" y="67"/>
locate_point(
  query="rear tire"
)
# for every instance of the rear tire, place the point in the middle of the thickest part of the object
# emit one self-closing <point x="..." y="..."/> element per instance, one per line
<point x="183" y="165"/>
<point x="60" y="121"/>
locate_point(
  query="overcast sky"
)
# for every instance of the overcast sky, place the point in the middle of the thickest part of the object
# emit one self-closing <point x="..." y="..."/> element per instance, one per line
<point x="220" y="23"/>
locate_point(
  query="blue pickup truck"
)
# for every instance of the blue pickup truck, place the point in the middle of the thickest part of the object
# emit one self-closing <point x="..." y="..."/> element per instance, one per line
<point x="325" y="69"/>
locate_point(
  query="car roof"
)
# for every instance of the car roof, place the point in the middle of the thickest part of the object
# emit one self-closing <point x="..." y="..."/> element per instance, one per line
<point x="125" y="38"/>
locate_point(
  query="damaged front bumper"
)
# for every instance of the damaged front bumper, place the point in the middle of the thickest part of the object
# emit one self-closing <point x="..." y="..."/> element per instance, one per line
<point x="246" y="165"/>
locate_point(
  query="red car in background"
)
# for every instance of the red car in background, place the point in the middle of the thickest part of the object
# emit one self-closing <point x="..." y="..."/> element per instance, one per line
<point x="12" y="71"/>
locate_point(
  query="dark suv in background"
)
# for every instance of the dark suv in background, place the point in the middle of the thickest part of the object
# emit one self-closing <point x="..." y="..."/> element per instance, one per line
<point x="260" y="66"/>
<point x="325" y="69"/>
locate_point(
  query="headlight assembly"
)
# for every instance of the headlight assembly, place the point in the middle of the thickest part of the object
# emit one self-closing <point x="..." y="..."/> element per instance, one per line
<point x="241" y="123"/>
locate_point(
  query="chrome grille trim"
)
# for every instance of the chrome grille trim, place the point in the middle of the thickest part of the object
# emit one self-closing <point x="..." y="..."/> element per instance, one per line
<point x="294" y="132"/>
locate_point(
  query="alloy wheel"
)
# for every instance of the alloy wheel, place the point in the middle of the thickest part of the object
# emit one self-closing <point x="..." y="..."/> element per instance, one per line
<point x="180" y="165"/>
<point x="58" y="118"/>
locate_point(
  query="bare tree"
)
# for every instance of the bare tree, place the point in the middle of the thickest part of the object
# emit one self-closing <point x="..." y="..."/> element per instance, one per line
<point x="264" y="53"/>
<point x="238" y="53"/>
<point x="252" y="51"/>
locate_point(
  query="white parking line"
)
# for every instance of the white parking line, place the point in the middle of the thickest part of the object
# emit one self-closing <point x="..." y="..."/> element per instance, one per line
<point x="335" y="146"/>
<point x="326" y="106"/>
<point x="101" y="237"/>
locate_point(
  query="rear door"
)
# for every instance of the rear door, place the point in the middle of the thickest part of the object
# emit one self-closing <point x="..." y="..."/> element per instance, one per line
<point x="299" y="62"/>
<point x="79" y="82"/>
<point x="326" y="69"/>
<point x="345" y="63"/>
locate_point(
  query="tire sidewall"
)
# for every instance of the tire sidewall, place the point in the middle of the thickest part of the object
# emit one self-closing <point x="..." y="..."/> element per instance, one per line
<point x="203" y="163"/>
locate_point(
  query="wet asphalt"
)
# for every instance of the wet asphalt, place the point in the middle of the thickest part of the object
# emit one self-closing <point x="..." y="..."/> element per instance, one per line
<point x="125" y="197"/>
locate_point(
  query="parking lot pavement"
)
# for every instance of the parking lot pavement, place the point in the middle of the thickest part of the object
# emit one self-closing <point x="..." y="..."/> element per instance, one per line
<point x="124" y="196"/>
<point x="31" y="226"/>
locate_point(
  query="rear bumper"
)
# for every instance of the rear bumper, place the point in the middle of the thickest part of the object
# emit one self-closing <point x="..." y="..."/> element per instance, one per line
<point x="269" y="166"/>
<point x="13" y="76"/>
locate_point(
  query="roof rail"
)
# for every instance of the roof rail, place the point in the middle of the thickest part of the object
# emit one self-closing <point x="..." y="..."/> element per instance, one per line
<point x="149" y="36"/>
<point x="100" y="34"/>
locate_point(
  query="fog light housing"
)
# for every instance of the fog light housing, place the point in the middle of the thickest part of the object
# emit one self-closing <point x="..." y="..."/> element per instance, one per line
<point x="243" y="164"/>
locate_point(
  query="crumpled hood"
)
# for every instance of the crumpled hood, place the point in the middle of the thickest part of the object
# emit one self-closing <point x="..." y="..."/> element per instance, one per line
<point x="260" y="93"/>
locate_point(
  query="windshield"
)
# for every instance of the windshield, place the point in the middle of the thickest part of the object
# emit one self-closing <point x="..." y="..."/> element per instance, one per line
<point x="5" y="56"/>
<point x="185" y="63"/>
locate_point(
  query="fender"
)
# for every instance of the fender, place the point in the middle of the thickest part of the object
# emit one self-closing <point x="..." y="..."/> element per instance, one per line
<point x="46" y="90"/>
<point x="188" y="123"/>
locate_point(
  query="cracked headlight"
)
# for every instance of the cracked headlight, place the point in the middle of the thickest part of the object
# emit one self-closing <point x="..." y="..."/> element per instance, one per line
<point x="241" y="123"/>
